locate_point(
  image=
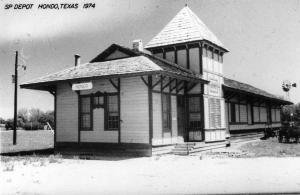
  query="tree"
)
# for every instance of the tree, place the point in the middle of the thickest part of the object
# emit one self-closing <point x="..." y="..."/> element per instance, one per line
<point x="2" y="121"/>
<point x="291" y="113"/>
<point x="23" y="114"/>
<point x="34" y="114"/>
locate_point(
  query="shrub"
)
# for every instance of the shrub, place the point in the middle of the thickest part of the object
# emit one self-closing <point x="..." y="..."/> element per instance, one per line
<point x="33" y="126"/>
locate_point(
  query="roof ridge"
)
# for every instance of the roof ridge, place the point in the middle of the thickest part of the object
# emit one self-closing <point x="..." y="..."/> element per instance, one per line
<point x="158" y="58"/>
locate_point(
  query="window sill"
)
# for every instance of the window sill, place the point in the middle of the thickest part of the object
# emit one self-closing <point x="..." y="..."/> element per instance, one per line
<point x="111" y="129"/>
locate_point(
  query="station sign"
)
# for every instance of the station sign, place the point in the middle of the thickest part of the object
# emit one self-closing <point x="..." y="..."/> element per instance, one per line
<point x="82" y="86"/>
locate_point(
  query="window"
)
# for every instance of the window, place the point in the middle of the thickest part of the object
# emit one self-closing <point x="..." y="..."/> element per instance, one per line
<point x="232" y="113"/>
<point x="238" y="113"/>
<point x="243" y="113"/>
<point x="216" y="56"/>
<point x="210" y="53"/>
<point x="221" y="58"/>
<point x="194" y="60"/>
<point x="260" y="114"/>
<point x="112" y="112"/>
<point x="194" y="113"/>
<point x="278" y="115"/>
<point x="166" y="112"/>
<point x="215" y="112"/>
<point x="98" y="100"/>
<point x="275" y="115"/>
<point x="170" y="56"/>
<point x="85" y="113"/>
<point x="182" y="58"/>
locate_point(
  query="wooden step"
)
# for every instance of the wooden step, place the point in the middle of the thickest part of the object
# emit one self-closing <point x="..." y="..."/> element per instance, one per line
<point x="188" y="148"/>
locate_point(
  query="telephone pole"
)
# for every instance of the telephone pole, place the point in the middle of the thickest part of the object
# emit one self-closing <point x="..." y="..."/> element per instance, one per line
<point x="16" y="100"/>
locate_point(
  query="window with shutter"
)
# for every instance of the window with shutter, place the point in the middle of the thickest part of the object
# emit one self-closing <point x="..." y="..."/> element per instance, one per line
<point x="215" y="112"/>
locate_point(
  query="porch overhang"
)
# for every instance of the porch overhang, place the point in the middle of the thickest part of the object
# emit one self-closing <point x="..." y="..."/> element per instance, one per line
<point x="50" y="85"/>
<point x="231" y="91"/>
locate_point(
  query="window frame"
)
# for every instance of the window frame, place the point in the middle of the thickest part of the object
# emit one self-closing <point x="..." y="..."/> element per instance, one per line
<point x="107" y="112"/>
<point x="195" y="112"/>
<point x="233" y="114"/>
<point x="259" y="114"/>
<point x="104" y="105"/>
<point x="90" y="113"/>
<point x="168" y="127"/>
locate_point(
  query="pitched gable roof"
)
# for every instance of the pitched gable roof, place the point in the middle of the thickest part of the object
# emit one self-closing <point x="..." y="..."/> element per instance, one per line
<point x="184" y="27"/>
<point x="137" y="64"/>
<point x="230" y="84"/>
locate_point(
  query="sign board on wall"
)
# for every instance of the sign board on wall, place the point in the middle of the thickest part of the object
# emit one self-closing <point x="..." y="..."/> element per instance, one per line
<point x="82" y="86"/>
<point x="213" y="86"/>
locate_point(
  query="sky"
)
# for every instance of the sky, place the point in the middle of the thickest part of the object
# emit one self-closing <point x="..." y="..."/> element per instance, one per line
<point x="262" y="36"/>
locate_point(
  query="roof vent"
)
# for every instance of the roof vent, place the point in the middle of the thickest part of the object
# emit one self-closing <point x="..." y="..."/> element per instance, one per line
<point x="137" y="45"/>
<point x="77" y="59"/>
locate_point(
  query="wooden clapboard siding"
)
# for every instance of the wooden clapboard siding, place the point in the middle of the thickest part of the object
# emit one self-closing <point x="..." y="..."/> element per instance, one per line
<point x="239" y="127"/>
<point x="98" y="134"/>
<point x="116" y="55"/>
<point x="245" y="126"/>
<point x="157" y="119"/>
<point x="213" y="71"/>
<point x="215" y="135"/>
<point x="102" y="85"/>
<point x="134" y="111"/>
<point x="66" y="114"/>
<point x="223" y="114"/>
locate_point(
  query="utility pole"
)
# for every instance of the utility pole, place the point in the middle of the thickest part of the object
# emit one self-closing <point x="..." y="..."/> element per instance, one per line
<point x="16" y="100"/>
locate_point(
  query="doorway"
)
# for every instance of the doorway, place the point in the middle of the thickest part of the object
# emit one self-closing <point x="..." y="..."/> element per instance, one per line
<point x="181" y="120"/>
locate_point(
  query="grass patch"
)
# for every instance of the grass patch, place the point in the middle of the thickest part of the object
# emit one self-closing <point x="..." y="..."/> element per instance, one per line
<point x="271" y="148"/>
<point x="26" y="141"/>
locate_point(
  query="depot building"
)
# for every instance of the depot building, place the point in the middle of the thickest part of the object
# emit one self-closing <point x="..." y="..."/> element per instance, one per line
<point x="154" y="99"/>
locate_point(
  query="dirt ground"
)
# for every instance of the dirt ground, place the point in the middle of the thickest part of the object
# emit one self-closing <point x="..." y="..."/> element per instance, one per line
<point x="220" y="171"/>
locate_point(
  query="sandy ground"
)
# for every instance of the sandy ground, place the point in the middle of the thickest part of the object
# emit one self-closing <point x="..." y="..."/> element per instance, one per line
<point x="155" y="175"/>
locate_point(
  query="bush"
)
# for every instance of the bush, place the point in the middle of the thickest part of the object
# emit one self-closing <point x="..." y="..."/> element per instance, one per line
<point x="33" y="126"/>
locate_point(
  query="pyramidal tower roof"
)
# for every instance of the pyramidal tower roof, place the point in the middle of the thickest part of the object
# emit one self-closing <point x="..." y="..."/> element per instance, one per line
<point x="184" y="27"/>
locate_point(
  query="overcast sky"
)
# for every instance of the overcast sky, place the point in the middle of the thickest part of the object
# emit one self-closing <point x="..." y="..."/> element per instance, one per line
<point x="263" y="37"/>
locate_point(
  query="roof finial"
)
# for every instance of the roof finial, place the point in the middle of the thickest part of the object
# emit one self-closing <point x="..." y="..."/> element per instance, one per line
<point x="186" y="5"/>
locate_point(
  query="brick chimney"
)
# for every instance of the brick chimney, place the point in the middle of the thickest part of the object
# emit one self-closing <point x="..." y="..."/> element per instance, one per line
<point x="77" y="59"/>
<point x="137" y="45"/>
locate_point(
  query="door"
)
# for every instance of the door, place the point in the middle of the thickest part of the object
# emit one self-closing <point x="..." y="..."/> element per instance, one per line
<point x="181" y="116"/>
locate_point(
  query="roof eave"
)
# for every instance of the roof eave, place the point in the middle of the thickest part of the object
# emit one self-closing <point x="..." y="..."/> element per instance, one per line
<point x="285" y="102"/>
<point x="45" y="85"/>
<point x="50" y="83"/>
<point x="222" y="48"/>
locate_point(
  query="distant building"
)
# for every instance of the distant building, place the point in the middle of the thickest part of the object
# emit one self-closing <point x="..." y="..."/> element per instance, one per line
<point x="127" y="100"/>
